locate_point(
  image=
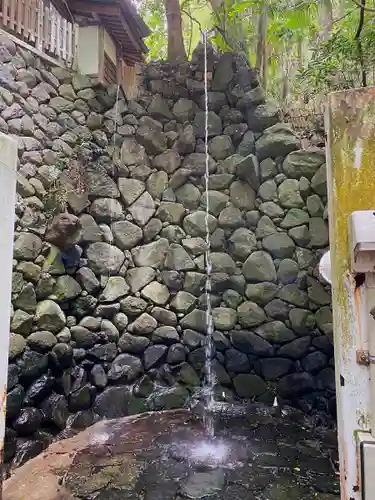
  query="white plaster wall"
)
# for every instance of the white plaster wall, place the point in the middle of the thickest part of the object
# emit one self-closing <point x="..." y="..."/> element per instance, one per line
<point x="110" y="47"/>
<point x="88" y="50"/>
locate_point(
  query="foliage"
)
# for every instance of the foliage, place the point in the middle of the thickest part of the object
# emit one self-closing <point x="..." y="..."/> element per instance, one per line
<point x="196" y="17"/>
<point x="153" y="14"/>
<point x="72" y="178"/>
<point x="337" y="64"/>
<point x="311" y="46"/>
<point x="56" y="199"/>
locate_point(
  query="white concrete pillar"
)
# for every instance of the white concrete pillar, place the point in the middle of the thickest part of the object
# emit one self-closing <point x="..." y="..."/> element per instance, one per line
<point x="8" y="168"/>
<point x="350" y="128"/>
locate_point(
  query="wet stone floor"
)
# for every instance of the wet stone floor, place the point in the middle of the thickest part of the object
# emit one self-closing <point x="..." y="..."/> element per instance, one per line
<point x="166" y="456"/>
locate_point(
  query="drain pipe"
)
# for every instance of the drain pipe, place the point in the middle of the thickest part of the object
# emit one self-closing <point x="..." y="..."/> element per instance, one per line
<point x="370" y="358"/>
<point x="8" y="167"/>
<point x="362" y="246"/>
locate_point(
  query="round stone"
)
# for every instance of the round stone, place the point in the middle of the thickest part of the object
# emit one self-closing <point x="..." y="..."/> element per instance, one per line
<point x="224" y="318"/>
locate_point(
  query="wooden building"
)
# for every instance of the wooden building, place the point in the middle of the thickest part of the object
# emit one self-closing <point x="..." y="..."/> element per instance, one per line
<point x="100" y="38"/>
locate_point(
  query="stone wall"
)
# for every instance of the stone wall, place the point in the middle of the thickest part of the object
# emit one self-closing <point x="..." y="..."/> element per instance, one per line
<point x="108" y="302"/>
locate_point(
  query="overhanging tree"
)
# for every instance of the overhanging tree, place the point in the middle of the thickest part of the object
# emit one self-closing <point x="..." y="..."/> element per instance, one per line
<point x="301" y="48"/>
<point x="176" y="47"/>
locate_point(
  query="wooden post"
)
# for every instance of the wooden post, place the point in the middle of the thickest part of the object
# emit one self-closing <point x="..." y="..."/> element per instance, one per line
<point x="350" y="123"/>
<point x="8" y="166"/>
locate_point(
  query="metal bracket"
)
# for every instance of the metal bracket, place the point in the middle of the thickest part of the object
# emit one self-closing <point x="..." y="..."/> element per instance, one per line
<point x="364" y="358"/>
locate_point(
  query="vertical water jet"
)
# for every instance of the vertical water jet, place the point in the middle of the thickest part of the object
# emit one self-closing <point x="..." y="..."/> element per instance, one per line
<point x="209" y="383"/>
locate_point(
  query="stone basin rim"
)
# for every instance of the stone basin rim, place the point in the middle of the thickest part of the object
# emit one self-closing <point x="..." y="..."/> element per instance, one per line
<point x="117" y="458"/>
<point x="64" y="452"/>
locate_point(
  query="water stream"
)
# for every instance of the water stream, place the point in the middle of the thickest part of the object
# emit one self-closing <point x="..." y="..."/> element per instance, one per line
<point x="209" y="382"/>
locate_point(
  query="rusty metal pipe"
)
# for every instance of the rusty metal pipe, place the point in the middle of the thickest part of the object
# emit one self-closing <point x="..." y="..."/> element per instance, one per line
<point x="370" y="299"/>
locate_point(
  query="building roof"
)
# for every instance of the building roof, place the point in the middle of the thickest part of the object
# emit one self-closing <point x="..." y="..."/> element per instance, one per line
<point x="119" y="17"/>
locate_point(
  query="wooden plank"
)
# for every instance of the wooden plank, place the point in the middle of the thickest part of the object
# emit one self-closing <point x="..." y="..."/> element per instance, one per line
<point x="52" y="61"/>
<point x="5" y="12"/>
<point x="12" y="14"/>
<point x="19" y="16"/>
<point x="89" y="8"/>
<point x="75" y="45"/>
<point x="132" y="38"/>
<point x="46" y="29"/>
<point x="52" y="47"/>
<point x="118" y="66"/>
<point x="39" y="25"/>
<point x="64" y="39"/>
<point x="129" y="80"/>
<point x="58" y="34"/>
<point x="69" y="55"/>
<point x="101" y="54"/>
<point x="26" y="18"/>
<point x="351" y="145"/>
<point x="132" y="58"/>
<point x="110" y="74"/>
<point x="34" y="21"/>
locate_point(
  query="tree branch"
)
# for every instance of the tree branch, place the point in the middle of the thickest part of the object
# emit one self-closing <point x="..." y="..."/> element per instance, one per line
<point x="362" y="5"/>
<point x="192" y="18"/>
<point x="344" y="16"/>
<point x="359" y="44"/>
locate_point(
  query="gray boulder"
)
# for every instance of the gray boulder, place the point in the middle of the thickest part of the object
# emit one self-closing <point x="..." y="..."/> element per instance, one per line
<point x="184" y="110"/>
<point x="49" y="316"/>
<point x="278" y="140"/>
<point x="242" y="243"/>
<point x="195" y="224"/>
<point x="151" y="255"/>
<point x="139" y="277"/>
<point x="250" y="314"/>
<point x="259" y="267"/>
<point x="224" y="318"/>
<point x="304" y="163"/>
<point x="143" y="325"/>
<point x="279" y="245"/>
<point x="126" y="234"/>
<point x="220" y="147"/>
<point x="169" y="161"/>
<point x="104" y="258"/>
<point x="130" y="189"/>
<point x="156" y="293"/>
<point x="115" y="288"/>
<point x="214" y="124"/>
<point x="125" y="368"/>
<point x="250" y="343"/>
<point x="289" y="194"/>
<point x="133" y="153"/>
<point x="27" y="246"/>
<point x="262" y="116"/>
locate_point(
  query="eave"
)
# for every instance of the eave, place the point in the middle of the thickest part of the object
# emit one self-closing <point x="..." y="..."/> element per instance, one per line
<point x="119" y="17"/>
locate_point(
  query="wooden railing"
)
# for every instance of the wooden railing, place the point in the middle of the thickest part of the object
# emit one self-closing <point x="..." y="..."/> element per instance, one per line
<point x="41" y="26"/>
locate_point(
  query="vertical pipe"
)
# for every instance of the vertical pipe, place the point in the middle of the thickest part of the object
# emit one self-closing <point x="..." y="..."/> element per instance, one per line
<point x="8" y="167"/>
<point x="370" y="321"/>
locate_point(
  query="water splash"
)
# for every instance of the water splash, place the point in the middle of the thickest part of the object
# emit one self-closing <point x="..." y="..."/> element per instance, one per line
<point x="100" y="438"/>
<point x="208" y="390"/>
<point x="209" y="453"/>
